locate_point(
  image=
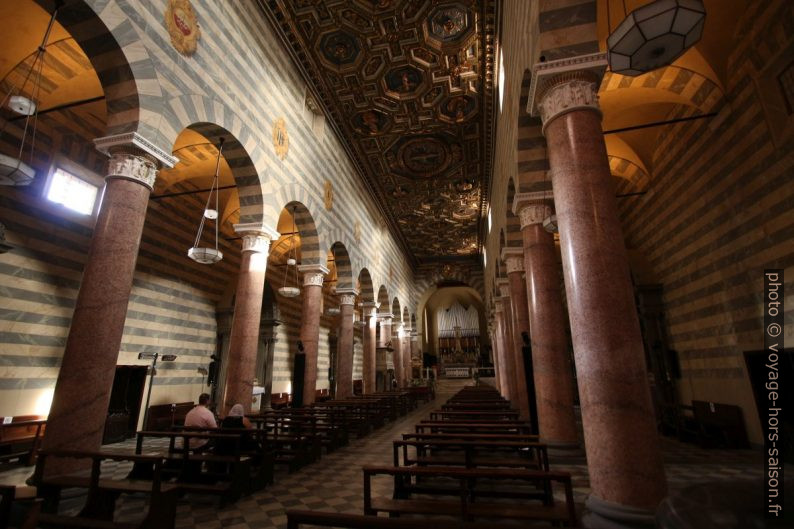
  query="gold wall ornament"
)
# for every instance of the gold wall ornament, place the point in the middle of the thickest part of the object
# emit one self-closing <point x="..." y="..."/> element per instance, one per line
<point x="182" y="25"/>
<point x="357" y="232"/>
<point x="280" y="138"/>
<point x="329" y="195"/>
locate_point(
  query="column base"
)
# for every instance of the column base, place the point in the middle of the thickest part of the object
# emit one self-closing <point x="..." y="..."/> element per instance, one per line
<point x="560" y="449"/>
<point x="602" y="514"/>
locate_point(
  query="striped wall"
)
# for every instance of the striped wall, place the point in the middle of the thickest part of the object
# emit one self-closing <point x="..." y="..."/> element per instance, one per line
<point x="172" y="303"/>
<point x="243" y="81"/>
<point x="718" y="212"/>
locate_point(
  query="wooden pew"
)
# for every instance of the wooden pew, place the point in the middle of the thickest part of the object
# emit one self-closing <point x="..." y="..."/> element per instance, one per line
<point x="103" y="492"/>
<point x="20" y="438"/>
<point x="472" y="453"/>
<point x="465" y="504"/>
<point x="164" y="416"/>
<point x="475" y="415"/>
<point x="228" y="484"/>
<point x="297" y="519"/>
<point x="521" y="427"/>
<point x="293" y="438"/>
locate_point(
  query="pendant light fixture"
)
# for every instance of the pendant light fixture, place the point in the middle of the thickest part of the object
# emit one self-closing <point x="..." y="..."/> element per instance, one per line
<point x="286" y="290"/>
<point x="13" y="171"/>
<point x="200" y="254"/>
<point x="655" y="35"/>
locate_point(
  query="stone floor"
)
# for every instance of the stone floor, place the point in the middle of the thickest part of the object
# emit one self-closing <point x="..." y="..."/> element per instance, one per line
<point x="335" y="483"/>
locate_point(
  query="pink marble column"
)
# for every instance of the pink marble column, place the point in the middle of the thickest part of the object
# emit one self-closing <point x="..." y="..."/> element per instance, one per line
<point x="397" y="356"/>
<point x="344" y="345"/>
<point x="624" y="461"/>
<point x="369" y="346"/>
<point x="408" y="355"/>
<point x="509" y="342"/>
<point x="82" y="391"/>
<point x="520" y="314"/>
<point x="495" y="355"/>
<point x="383" y="351"/>
<point x="554" y="384"/>
<point x="244" y="339"/>
<point x="506" y="362"/>
<point x="312" y="297"/>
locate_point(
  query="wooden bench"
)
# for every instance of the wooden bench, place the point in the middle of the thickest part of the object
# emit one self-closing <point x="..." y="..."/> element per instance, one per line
<point x="294" y="441"/>
<point x="252" y="443"/>
<point x="476" y="415"/>
<point x="280" y="400"/>
<point x="164" y="416"/>
<point x="472" y="453"/>
<point x="521" y="427"/>
<point x="466" y="504"/>
<point x="103" y="492"/>
<point x="228" y="483"/>
<point x="20" y="438"/>
<point x="297" y="519"/>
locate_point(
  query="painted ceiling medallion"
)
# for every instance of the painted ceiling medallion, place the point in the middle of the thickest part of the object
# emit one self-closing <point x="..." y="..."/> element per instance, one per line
<point x="280" y="138"/>
<point x="409" y="84"/>
<point x="328" y="196"/>
<point x="182" y="25"/>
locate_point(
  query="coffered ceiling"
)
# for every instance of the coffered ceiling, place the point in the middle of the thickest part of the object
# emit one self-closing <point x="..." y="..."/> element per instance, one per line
<point x="408" y="85"/>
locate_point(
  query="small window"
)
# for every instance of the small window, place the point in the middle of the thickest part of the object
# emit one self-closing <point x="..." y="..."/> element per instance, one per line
<point x="72" y="192"/>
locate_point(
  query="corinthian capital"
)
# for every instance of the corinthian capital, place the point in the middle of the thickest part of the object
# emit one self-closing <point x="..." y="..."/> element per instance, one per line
<point x="135" y="167"/>
<point x="565" y="85"/>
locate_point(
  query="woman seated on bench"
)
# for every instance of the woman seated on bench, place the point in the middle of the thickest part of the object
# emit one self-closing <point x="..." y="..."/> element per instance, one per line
<point x="236" y="419"/>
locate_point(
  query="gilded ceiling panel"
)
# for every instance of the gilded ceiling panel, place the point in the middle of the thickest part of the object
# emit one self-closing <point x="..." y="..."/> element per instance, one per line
<point x="409" y="86"/>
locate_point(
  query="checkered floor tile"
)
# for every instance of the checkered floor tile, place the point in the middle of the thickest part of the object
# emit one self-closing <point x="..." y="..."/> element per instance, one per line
<point x="335" y="483"/>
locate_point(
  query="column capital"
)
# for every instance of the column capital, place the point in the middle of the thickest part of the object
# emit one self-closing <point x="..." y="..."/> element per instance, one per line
<point x="504" y="288"/>
<point x="346" y="299"/>
<point x="139" y="168"/>
<point x="532" y="208"/>
<point x="565" y="85"/>
<point x="511" y="251"/>
<point x="313" y="274"/>
<point x="385" y="317"/>
<point x="370" y="304"/>
<point x="349" y="291"/>
<point x="514" y="264"/>
<point x="257" y="228"/>
<point x="134" y="143"/>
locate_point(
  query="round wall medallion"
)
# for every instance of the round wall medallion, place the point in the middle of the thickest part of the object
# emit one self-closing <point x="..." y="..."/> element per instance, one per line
<point x="280" y="138"/>
<point x="182" y="25"/>
<point x="328" y="196"/>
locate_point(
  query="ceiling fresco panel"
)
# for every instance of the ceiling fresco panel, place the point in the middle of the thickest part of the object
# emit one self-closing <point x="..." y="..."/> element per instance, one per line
<point x="408" y="85"/>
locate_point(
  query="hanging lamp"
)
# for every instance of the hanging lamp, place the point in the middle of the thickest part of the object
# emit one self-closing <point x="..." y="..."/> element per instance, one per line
<point x="655" y="35"/>
<point x="285" y="290"/>
<point x="13" y="171"/>
<point x="198" y="253"/>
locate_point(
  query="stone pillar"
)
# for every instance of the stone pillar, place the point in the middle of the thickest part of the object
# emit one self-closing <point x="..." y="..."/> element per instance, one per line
<point x="508" y="343"/>
<point x="369" y="346"/>
<point x="82" y="391"/>
<point x="383" y="350"/>
<point x="405" y="346"/>
<point x="514" y="261"/>
<point x="492" y="333"/>
<point x="554" y="384"/>
<point x="224" y="320"/>
<point x="624" y="461"/>
<point x="244" y="339"/>
<point x="501" y="349"/>
<point x="264" y="361"/>
<point x="312" y="294"/>
<point x="397" y="356"/>
<point x="344" y="346"/>
<point x="415" y="354"/>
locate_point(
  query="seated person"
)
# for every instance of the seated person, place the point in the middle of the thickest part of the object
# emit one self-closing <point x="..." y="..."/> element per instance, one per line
<point x="201" y="417"/>
<point x="236" y="419"/>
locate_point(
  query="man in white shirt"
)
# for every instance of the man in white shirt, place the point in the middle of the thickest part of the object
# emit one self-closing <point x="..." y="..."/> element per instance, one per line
<point x="201" y="417"/>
